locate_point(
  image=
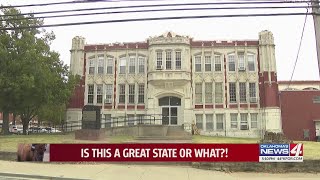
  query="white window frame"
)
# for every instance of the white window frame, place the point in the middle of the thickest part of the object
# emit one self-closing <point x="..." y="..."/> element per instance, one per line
<point x="141" y="94"/>
<point x="234" y="120"/>
<point x="123" y="65"/>
<point x="132" y="65"/>
<point x="207" y="63"/>
<point x="208" y="92"/>
<point x="198" y="93"/>
<point x="220" y="121"/>
<point x="90" y="93"/>
<point x="251" y="62"/>
<point x="253" y="92"/>
<point x="232" y="92"/>
<point x="241" y="61"/>
<point x="197" y="64"/>
<point x="141" y="65"/>
<point x="169" y="60"/>
<point x="232" y="62"/>
<point x="244" y="125"/>
<point x="217" y="63"/>
<point x="199" y="121"/>
<point x="131" y="94"/>
<point x="243" y="92"/>
<point x="109" y="93"/>
<point x="122" y="93"/>
<point x="159" y="59"/>
<point x="254" y="120"/>
<point x="110" y="63"/>
<point x="92" y="68"/>
<point x="209" y="122"/>
<point x="218" y="92"/>
<point x="99" y="94"/>
<point x="178" y="59"/>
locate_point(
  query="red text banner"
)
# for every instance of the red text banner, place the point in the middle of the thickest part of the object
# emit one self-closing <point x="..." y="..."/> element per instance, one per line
<point x="154" y="152"/>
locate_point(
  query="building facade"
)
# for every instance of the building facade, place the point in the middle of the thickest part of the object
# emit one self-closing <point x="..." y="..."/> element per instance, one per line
<point x="300" y="109"/>
<point x="227" y="88"/>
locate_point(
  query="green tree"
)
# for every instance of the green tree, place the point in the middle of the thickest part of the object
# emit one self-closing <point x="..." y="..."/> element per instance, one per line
<point x="32" y="75"/>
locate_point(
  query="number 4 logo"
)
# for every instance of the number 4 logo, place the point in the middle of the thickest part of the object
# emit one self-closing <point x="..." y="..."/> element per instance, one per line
<point x="296" y="149"/>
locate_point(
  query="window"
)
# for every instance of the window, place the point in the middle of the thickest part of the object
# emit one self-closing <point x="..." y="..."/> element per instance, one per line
<point x="207" y="60"/>
<point x="254" y="120"/>
<point x="232" y="64"/>
<point x="100" y="65"/>
<point x="199" y="121"/>
<point x="234" y="120"/>
<point x="218" y="93"/>
<point x="178" y="60"/>
<point x="141" y="94"/>
<point x="208" y="91"/>
<point x="251" y="61"/>
<point x="219" y="121"/>
<point x="168" y="60"/>
<point x="159" y="59"/>
<point x="198" y="93"/>
<point x="232" y="92"/>
<point x="217" y="63"/>
<point x="252" y="92"/>
<point x="99" y="93"/>
<point x="243" y="93"/>
<point x="123" y="62"/>
<point x="141" y="64"/>
<point x="90" y="93"/>
<point x="132" y="67"/>
<point x="198" y="63"/>
<point x="107" y="118"/>
<point x="122" y="93"/>
<point x="131" y="119"/>
<point x="131" y="93"/>
<point x="241" y="61"/>
<point x="91" y="66"/>
<point x="109" y="92"/>
<point x="209" y="122"/>
<point x="109" y="66"/>
<point x="244" y="122"/>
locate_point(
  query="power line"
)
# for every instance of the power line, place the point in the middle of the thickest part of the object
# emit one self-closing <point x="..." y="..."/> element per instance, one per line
<point x="297" y="57"/>
<point x="160" y="5"/>
<point x="155" y="19"/>
<point x="159" y="10"/>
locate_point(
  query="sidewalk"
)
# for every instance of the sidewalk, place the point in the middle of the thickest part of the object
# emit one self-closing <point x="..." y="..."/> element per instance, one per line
<point x="132" y="172"/>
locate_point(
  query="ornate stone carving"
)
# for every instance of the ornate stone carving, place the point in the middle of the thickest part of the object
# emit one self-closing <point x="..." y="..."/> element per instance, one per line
<point x="169" y="38"/>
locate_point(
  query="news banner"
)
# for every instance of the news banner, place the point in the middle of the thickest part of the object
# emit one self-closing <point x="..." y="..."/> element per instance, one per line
<point x="176" y="152"/>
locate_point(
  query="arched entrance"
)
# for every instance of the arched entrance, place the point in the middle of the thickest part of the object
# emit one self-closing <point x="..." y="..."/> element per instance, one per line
<point x="169" y="109"/>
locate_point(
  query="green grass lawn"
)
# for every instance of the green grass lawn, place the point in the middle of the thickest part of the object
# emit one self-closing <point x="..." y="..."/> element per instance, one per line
<point x="9" y="143"/>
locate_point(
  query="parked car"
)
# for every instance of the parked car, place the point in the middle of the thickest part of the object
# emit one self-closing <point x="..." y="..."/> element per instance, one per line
<point x="17" y="129"/>
<point x="37" y="130"/>
<point x="52" y="130"/>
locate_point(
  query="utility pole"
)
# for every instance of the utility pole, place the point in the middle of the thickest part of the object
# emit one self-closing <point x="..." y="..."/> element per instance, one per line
<point x="316" y="20"/>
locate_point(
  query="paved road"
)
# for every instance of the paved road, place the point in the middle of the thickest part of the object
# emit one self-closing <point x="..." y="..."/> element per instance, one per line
<point x="133" y="172"/>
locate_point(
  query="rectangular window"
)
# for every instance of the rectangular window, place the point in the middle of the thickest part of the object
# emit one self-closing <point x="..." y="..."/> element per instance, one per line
<point x="198" y="93"/>
<point x="159" y="59"/>
<point x="241" y="61"/>
<point x="234" y="120"/>
<point x="219" y="122"/>
<point x="90" y="93"/>
<point x="141" y="64"/>
<point x="100" y="65"/>
<point x="109" y="93"/>
<point x="131" y="93"/>
<point x="208" y="90"/>
<point x="132" y="67"/>
<point x="199" y="121"/>
<point x="207" y="66"/>
<point x="209" y="122"/>
<point x="197" y="63"/>
<point x="130" y="118"/>
<point x="251" y="62"/>
<point x="168" y="60"/>
<point x="232" y="92"/>
<point x="254" y="120"/>
<point x="218" y="93"/>
<point x="109" y="66"/>
<point x="123" y="62"/>
<point x="252" y="92"/>
<point x="244" y="122"/>
<point x="232" y="63"/>
<point x="217" y="63"/>
<point x="122" y="93"/>
<point x="107" y="118"/>
<point x="178" y="60"/>
<point x="91" y="66"/>
<point x="141" y="94"/>
<point x="243" y="92"/>
<point x="99" y="93"/>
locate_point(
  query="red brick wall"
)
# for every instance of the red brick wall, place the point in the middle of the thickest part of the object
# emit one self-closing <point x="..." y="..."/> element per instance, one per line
<point x="298" y="112"/>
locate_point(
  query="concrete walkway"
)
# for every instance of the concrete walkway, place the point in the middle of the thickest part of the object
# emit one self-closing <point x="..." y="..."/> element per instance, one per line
<point x="9" y="170"/>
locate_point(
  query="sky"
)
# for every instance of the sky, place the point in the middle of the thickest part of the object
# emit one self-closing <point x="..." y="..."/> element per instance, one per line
<point x="286" y="30"/>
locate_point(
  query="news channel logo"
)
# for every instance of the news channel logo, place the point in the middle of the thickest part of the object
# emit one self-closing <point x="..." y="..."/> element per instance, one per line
<point x="281" y="153"/>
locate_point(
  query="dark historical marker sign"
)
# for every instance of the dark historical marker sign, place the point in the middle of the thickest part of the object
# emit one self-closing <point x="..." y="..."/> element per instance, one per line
<point x="91" y="118"/>
<point x="316" y="100"/>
